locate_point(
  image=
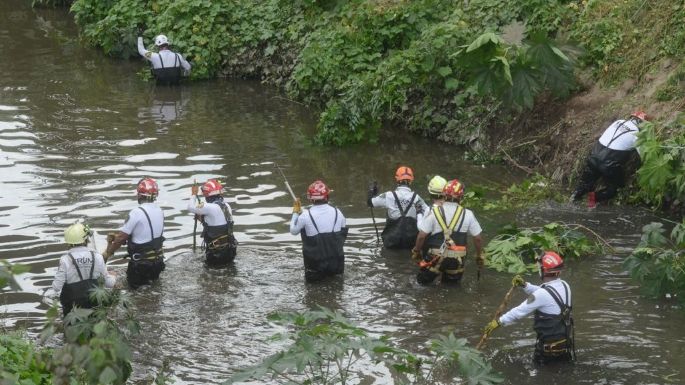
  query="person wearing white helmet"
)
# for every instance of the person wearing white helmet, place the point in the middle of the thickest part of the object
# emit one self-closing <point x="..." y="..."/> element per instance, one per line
<point x="167" y="66"/>
<point x="79" y="270"/>
<point x="217" y="222"/>
<point x="608" y="159"/>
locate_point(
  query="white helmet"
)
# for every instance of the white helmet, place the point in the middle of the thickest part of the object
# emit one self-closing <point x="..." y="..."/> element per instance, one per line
<point x="161" y="40"/>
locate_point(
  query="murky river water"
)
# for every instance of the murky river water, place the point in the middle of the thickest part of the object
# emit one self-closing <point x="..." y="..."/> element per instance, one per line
<point x="77" y="130"/>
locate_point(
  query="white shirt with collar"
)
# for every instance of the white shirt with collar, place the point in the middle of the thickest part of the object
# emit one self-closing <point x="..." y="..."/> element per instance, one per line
<point x="137" y="226"/>
<point x="623" y="133"/>
<point x="430" y="225"/>
<point x="67" y="272"/>
<point x="169" y="58"/>
<point x="324" y="215"/>
<point x="404" y="194"/>
<point x="213" y="215"/>
<point x="538" y="299"/>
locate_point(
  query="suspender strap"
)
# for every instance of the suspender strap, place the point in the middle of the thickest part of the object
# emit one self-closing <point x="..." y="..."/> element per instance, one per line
<point x="614" y="136"/>
<point x="335" y="220"/>
<point x="160" y="59"/>
<point x="557" y="298"/>
<point x="227" y="215"/>
<point x="439" y="213"/>
<point x="404" y="211"/>
<point x="92" y="265"/>
<point x="76" y="266"/>
<point x="149" y="222"/>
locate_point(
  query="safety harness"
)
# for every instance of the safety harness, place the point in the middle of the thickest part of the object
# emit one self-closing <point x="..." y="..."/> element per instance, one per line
<point x="561" y="324"/>
<point x="449" y="249"/>
<point x="224" y="240"/>
<point x="151" y="250"/>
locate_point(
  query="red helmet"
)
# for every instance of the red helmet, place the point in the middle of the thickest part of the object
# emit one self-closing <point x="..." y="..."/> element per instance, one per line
<point x="640" y="115"/>
<point x="147" y="187"/>
<point x="404" y="173"/>
<point x="453" y="189"/>
<point x="318" y="191"/>
<point x="212" y="187"/>
<point x="550" y="262"/>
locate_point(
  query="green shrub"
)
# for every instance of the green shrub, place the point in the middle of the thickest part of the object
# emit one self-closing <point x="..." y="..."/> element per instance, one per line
<point x="658" y="262"/>
<point x="514" y="250"/>
<point x="21" y="362"/>
<point x="325" y="347"/>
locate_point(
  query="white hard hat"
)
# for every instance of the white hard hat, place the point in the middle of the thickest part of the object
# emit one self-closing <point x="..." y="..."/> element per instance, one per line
<point x="161" y="40"/>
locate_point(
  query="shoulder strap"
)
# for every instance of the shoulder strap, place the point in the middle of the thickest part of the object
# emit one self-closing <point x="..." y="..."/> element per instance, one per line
<point x="149" y="222"/>
<point x="76" y="266"/>
<point x="92" y="265"/>
<point x="614" y="136"/>
<point x="160" y="59"/>
<point x="227" y="215"/>
<point x="411" y="202"/>
<point x="397" y="202"/>
<point x="314" y="222"/>
<point x="459" y="215"/>
<point x="439" y="213"/>
<point x="557" y="298"/>
<point x="176" y="61"/>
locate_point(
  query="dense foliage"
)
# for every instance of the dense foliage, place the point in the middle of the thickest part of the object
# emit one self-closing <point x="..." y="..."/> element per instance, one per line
<point x="514" y="250"/>
<point x="21" y="362"/>
<point x="658" y="262"/>
<point x="520" y="195"/>
<point x="326" y="348"/>
<point x="445" y="68"/>
<point x="661" y="176"/>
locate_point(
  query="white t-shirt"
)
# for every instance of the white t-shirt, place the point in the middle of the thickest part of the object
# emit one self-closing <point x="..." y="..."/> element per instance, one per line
<point x="169" y="58"/>
<point x="66" y="272"/>
<point x="213" y="215"/>
<point x="538" y="299"/>
<point x="323" y="215"/>
<point x="137" y="226"/>
<point x="625" y="134"/>
<point x="430" y="225"/>
<point x="404" y="194"/>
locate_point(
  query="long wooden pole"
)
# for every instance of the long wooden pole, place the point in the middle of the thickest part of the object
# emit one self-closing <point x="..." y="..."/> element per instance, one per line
<point x="498" y="313"/>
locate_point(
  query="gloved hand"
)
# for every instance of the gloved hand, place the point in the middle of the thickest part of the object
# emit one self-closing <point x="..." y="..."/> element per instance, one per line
<point x="106" y="255"/>
<point x="297" y="206"/>
<point x="140" y="29"/>
<point x="416" y="256"/>
<point x="194" y="190"/>
<point x="480" y="261"/>
<point x="490" y="327"/>
<point x="518" y="281"/>
<point x="373" y="190"/>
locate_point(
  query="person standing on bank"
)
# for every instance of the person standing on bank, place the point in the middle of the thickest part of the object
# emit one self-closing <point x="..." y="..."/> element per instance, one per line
<point x="551" y="304"/>
<point x="79" y="270"/>
<point x="323" y="230"/>
<point x="217" y="222"/>
<point x="404" y="205"/>
<point x="441" y="243"/>
<point x="167" y="66"/>
<point x="144" y="234"/>
<point x="608" y="158"/>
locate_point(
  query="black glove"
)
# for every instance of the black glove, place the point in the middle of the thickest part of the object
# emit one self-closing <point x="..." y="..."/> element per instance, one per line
<point x="141" y="29"/>
<point x="373" y="191"/>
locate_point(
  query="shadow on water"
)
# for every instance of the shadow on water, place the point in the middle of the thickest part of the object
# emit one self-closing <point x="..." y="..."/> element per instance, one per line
<point x="78" y="129"/>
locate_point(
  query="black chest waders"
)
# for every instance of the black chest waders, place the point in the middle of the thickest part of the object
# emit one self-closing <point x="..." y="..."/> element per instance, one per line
<point x="323" y="253"/>
<point x="400" y="233"/>
<point x="555" y="332"/>
<point x="78" y="293"/>
<point x="147" y="259"/>
<point x="168" y="75"/>
<point x="219" y="243"/>
<point x="444" y="252"/>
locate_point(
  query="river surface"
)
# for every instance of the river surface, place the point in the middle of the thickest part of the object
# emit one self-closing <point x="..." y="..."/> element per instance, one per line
<point x="78" y="129"/>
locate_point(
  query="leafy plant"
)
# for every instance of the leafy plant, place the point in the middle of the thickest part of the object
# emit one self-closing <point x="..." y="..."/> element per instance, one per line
<point x="514" y="250"/>
<point x="7" y="273"/>
<point x="21" y="362"/>
<point x="530" y="191"/>
<point x="661" y="176"/>
<point x="326" y="348"/>
<point x="658" y="262"/>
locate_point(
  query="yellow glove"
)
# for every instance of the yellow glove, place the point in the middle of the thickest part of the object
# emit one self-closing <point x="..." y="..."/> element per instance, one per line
<point x="194" y="190"/>
<point x="416" y="256"/>
<point x="297" y="206"/>
<point x="489" y="328"/>
<point x="518" y="281"/>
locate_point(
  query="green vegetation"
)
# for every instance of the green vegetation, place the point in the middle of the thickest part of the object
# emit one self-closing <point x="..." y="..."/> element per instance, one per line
<point x="658" y="262"/>
<point x="326" y="348"/>
<point x="21" y="362"/>
<point x="661" y="176"/>
<point x="514" y="250"/>
<point x="438" y="67"/>
<point x="530" y="191"/>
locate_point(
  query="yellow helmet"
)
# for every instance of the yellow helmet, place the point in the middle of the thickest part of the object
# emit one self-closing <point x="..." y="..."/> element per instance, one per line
<point x="77" y="234"/>
<point x="436" y="185"/>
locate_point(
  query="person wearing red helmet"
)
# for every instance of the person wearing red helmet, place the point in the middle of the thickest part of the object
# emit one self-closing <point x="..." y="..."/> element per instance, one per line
<point x="441" y="242"/>
<point x="323" y="230"/>
<point x="551" y="305"/>
<point x="608" y="159"/>
<point x="217" y="221"/>
<point x="404" y="206"/>
<point x="143" y="232"/>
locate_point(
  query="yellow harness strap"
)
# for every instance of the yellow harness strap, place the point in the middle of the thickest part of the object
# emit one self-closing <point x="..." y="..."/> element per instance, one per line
<point x="453" y="223"/>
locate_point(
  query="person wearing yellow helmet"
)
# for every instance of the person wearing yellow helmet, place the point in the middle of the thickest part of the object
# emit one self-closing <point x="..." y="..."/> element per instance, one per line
<point x="608" y="159"/>
<point x="404" y="206"/>
<point x="435" y="187"/>
<point x="79" y="270"/>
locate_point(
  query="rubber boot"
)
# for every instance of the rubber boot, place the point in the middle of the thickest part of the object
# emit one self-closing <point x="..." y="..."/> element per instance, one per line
<point x="591" y="202"/>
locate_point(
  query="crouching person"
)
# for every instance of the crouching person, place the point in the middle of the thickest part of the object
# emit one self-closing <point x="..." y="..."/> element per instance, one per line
<point x="323" y="231"/>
